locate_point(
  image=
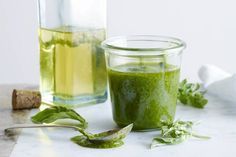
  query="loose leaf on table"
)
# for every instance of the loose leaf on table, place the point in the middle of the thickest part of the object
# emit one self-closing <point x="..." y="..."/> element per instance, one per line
<point x="190" y="94"/>
<point x="107" y="139"/>
<point x="175" y="133"/>
<point x="54" y="113"/>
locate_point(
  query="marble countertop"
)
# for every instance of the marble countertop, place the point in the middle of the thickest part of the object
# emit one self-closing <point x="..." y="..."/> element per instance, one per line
<point x="9" y="117"/>
<point x="218" y="120"/>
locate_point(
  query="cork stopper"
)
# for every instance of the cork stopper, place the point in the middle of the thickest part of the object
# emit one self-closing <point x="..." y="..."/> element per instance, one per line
<point x="25" y="99"/>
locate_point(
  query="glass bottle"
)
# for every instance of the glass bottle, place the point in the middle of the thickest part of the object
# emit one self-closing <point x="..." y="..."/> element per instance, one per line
<point x="72" y="63"/>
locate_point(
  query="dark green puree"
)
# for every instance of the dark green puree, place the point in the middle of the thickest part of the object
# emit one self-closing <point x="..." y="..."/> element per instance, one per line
<point x="144" y="94"/>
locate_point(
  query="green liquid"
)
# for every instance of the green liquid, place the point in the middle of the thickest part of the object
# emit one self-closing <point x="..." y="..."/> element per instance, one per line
<point x="72" y="65"/>
<point x="143" y="94"/>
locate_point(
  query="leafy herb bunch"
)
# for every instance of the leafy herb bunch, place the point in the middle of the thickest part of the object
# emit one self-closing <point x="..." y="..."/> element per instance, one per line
<point x="191" y="94"/>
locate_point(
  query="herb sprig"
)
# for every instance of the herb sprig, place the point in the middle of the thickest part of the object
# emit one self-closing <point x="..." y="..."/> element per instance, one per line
<point x="190" y="94"/>
<point x="175" y="133"/>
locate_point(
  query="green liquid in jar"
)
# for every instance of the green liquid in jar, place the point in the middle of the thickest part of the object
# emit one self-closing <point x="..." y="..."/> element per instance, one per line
<point x="72" y="65"/>
<point x="143" y="94"/>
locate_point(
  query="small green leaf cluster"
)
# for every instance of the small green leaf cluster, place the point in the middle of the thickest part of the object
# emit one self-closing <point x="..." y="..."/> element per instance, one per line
<point x="175" y="133"/>
<point x="190" y="94"/>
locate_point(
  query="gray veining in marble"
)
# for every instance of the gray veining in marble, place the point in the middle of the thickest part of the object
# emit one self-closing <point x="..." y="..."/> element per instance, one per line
<point x="217" y="120"/>
<point x="9" y="117"/>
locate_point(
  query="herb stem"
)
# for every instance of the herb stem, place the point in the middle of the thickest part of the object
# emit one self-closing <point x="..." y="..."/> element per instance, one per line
<point x="200" y="136"/>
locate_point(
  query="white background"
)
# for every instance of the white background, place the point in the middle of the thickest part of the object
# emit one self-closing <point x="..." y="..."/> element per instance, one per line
<point x="207" y="26"/>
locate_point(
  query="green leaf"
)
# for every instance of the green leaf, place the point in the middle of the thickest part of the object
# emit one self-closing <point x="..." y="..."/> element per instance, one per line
<point x="175" y="133"/>
<point x="160" y="141"/>
<point x="55" y="113"/>
<point x="190" y="94"/>
<point x="107" y="139"/>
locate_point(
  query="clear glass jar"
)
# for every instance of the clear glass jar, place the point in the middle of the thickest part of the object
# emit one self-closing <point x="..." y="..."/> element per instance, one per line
<point x="143" y="74"/>
<point x="72" y="63"/>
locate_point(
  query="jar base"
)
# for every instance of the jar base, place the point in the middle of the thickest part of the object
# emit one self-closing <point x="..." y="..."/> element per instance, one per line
<point x="139" y="129"/>
<point x="74" y="101"/>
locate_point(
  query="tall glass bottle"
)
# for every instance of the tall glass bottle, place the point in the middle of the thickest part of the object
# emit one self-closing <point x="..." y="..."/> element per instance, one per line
<point x="72" y="63"/>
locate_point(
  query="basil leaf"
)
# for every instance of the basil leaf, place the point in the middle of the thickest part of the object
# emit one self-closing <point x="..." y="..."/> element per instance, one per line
<point x="190" y="94"/>
<point x="160" y="141"/>
<point x="54" y="113"/>
<point x="175" y="133"/>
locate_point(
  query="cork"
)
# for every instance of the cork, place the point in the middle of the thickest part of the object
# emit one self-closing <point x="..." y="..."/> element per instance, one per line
<point x="25" y="99"/>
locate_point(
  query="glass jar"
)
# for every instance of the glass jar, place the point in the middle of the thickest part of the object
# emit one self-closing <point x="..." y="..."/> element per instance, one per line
<point x="72" y="63"/>
<point x="143" y="74"/>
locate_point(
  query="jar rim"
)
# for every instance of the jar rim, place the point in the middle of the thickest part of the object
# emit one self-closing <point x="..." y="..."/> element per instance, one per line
<point x="143" y="45"/>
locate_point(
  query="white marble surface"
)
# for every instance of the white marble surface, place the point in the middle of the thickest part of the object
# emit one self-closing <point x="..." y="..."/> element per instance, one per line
<point x="218" y="120"/>
<point x="9" y="117"/>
